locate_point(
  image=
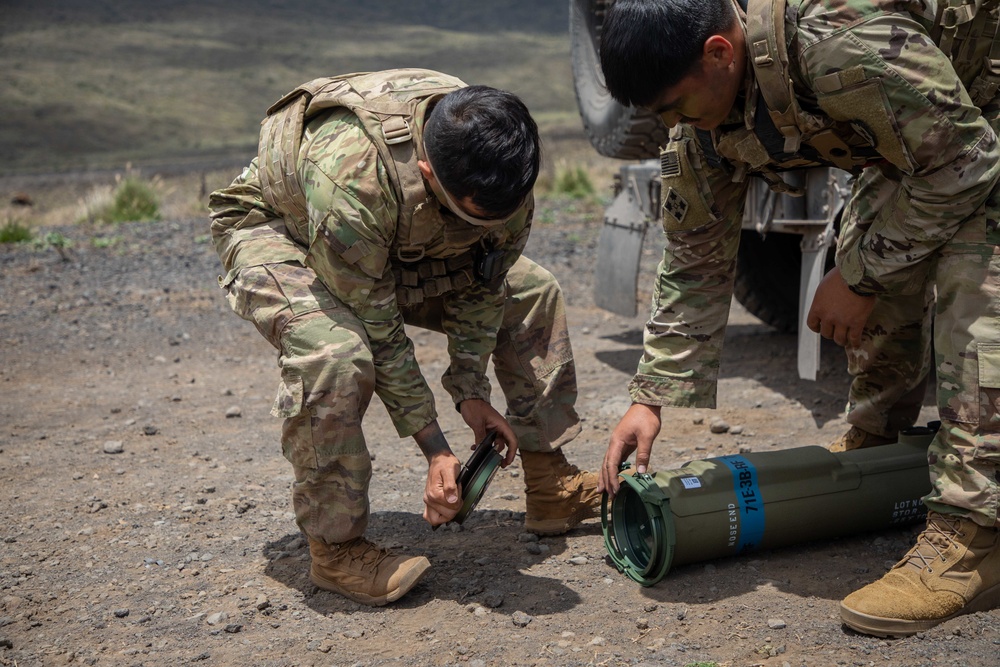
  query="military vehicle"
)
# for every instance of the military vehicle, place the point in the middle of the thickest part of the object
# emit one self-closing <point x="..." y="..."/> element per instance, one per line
<point x="785" y="243"/>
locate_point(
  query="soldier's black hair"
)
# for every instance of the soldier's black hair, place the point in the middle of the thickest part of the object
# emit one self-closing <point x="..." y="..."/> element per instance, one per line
<point x="483" y="143"/>
<point x="648" y="46"/>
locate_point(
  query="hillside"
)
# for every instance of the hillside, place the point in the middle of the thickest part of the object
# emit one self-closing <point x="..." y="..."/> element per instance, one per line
<point x="102" y="83"/>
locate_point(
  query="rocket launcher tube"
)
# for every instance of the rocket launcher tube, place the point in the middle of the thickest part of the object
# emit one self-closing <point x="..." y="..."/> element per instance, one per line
<point x="729" y="505"/>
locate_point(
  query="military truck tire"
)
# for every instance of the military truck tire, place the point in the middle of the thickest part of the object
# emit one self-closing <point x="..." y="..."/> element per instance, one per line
<point x="614" y="130"/>
<point x="767" y="278"/>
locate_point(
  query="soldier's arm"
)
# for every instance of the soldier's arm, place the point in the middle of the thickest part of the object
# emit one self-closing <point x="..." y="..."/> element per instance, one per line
<point x="245" y="230"/>
<point x="352" y="220"/>
<point x="694" y="284"/>
<point x="473" y="315"/>
<point x="885" y="76"/>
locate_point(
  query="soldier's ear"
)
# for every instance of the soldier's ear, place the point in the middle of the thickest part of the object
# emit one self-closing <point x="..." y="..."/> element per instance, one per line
<point x="718" y="51"/>
<point x="425" y="169"/>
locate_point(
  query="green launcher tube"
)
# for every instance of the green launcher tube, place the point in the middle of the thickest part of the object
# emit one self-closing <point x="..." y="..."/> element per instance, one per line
<point x="730" y="505"/>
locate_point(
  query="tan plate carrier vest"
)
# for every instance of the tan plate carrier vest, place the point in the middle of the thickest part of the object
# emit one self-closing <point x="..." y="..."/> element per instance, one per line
<point x="386" y="103"/>
<point x="959" y="29"/>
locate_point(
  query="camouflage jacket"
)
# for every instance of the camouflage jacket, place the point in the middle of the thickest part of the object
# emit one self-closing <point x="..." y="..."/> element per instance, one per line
<point x="350" y="197"/>
<point x="867" y="68"/>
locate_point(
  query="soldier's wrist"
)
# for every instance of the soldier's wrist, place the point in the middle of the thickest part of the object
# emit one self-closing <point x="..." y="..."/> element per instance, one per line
<point x="857" y="289"/>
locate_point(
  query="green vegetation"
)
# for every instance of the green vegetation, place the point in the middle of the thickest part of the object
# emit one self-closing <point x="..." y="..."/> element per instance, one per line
<point x="702" y="664"/>
<point x="106" y="241"/>
<point x="55" y="240"/>
<point x="133" y="199"/>
<point x="15" y="232"/>
<point x="573" y="182"/>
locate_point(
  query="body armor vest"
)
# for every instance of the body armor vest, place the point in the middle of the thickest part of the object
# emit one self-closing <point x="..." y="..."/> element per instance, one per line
<point x="386" y="103"/>
<point x="780" y="135"/>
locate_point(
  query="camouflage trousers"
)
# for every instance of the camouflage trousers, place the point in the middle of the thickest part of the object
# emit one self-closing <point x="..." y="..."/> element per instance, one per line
<point x="965" y="455"/>
<point x="328" y="379"/>
<point x="891" y="366"/>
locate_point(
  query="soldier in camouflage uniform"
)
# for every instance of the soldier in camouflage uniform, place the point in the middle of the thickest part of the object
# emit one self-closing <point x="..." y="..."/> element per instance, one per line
<point x="898" y="94"/>
<point x="388" y="198"/>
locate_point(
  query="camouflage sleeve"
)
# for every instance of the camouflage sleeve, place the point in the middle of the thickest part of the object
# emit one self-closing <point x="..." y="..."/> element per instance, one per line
<point x="702" y="209"/>
<point x="473" y="315"/>
<point x="883" y="75"/>
<point x="245" y="231"/>
<point x="352" y="220"/>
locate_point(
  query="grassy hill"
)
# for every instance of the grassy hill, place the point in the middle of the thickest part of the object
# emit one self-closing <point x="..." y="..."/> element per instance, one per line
<point x="105" y="82"/>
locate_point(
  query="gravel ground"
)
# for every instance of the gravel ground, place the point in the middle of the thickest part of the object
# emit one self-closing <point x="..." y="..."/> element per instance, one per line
<point x="149" y="520"/>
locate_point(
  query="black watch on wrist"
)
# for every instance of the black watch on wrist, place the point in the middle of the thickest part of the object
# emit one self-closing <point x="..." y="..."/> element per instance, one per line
<point x="860" y="292"/>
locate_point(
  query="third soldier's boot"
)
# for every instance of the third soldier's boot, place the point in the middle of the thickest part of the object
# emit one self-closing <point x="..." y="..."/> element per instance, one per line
<point x="855" y="438"/>
<point x="558" y="495"/>
<point x="954" y="569"/>
<point x="363" y="572"/>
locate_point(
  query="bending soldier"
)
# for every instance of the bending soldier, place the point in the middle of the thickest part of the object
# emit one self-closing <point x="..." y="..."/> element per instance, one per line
<point x="378" y="199"/>
<point x="899" y="95"/>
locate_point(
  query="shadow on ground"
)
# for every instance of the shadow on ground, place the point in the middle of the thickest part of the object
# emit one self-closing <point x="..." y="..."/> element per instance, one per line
<point x="480" y="562"/>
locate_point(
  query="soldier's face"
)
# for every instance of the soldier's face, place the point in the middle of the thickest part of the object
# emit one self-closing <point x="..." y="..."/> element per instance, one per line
<point x="705" y="97"/>
<point x="466" y="209"/>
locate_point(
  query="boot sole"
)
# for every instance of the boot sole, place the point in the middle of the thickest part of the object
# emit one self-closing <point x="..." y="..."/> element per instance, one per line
<point x="898" y="627"/>
<point x="411" y="579"/>
<point x="548" y="527"/>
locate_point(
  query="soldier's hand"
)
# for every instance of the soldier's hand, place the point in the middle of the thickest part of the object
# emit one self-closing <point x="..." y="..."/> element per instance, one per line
<point x="837" y="312"/>
<point x="442" y="497"/>
<point x="483" y="418"/>
<point x="634" y="433"/>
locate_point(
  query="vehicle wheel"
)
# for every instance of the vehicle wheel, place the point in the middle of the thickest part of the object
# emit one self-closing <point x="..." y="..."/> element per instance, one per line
<point x="614" y="130"/>
<point x="767" y="278"/>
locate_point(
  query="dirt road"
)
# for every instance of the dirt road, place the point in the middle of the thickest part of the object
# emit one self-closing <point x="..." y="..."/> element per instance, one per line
<point x="148" y="518"/>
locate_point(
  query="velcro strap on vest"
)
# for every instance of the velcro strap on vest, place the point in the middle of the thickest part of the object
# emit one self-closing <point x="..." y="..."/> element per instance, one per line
<point x="432" y="277"/>
<point x="434" y="287"/>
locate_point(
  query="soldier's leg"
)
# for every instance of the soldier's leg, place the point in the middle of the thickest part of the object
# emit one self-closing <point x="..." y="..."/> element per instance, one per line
<point x="955" y="566"/>
<point x="534" y="365"/>
<point x="327" y="381"/>
<point x="533" y="360"/>
<point x="965" y="456"/>
<point x="890" y="369"/>
<point x="891" y="366"/>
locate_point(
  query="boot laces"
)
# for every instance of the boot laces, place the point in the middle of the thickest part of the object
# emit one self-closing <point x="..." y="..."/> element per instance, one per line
<point x="939" y="536"/>
<point x="366" y="555"/>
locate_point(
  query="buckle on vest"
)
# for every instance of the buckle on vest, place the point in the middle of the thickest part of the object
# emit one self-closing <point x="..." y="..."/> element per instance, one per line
<point x="762" y="54"/>
<point x="954" y="16"/>
<point x="396" y="130"/>
<point x="410" y="254"/>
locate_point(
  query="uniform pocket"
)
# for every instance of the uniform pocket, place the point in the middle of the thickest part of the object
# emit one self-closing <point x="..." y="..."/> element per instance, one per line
<point x="291" y="392"/>
<point x="989" y="388"/>
<point x="297" y="443"/>
<point x="271" y="295"/>
<point x="861" y="102"/>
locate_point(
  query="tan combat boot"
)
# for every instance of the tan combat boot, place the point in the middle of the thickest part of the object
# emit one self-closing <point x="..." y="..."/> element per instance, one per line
<point x="558" y="495"/>
<point x="363" y="572"/>
<point x="954" y="569"/>
<point x="855" y="438"/>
